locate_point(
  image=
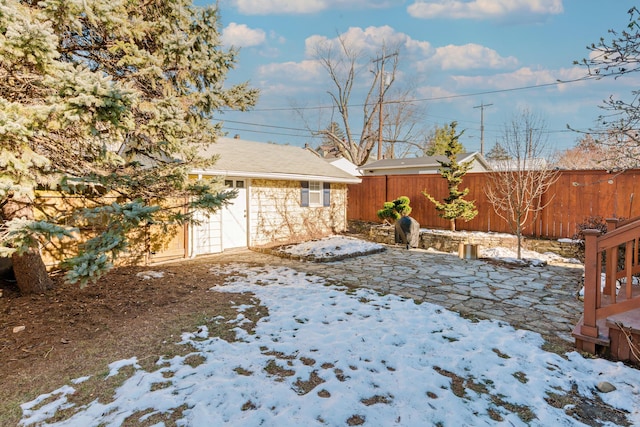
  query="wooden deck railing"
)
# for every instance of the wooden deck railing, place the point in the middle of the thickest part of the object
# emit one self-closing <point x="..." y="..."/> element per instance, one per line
<point x="615" y="254"/>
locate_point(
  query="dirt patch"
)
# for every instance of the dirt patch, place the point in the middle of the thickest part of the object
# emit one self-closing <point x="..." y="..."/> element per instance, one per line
<point x="588" y="410"/>
<point x="69" y="332"/>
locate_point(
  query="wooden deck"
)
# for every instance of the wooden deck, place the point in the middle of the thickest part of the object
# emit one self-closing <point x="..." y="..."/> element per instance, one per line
<point x="617" y="334"/>
<point x="624" y="333"/>
<point x="610" y="323"/>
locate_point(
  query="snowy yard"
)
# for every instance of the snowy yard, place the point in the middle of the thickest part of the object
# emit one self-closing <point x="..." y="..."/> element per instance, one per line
<point x="330" y="356"/>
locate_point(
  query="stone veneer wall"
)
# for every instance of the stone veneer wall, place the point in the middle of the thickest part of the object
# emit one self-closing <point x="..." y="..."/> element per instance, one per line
<point x="278" y="218"/>
<point x="448" y="241"/>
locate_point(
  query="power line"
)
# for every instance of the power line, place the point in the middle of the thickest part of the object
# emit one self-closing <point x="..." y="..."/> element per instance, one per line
<point x="435" y="98"/>
<point x="272" y="133"/>
<point x="261" y="125"/>
<point x="310" y="134"/>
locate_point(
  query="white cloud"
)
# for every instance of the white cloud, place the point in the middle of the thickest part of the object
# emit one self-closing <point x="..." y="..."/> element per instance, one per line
<point x="420" y="54"/>
<point x="239" y="35"/>
<point x="435" y="93"/>
<point x="269" y="7"/>
<point x="300" y="7"/>
<point x="470" y="56"/>
<point x="520" y="78"/>
<point x="483" y="9"/>
<point x="370" y="40"/>
<point x="305" y="71"/>
<point x="274" y="36"/>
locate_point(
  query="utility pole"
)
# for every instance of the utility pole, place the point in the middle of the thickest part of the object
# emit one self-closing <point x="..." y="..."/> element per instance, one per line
<point x="481" y="107"/>
<point x="380" y="97"/>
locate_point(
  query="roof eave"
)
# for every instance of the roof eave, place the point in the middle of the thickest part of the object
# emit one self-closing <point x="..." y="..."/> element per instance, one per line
<point x="399" y="167"/>
<point x="277" y="176"/>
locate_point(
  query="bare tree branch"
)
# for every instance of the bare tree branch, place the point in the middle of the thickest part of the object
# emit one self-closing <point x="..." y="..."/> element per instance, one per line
<point x="516" y="187"/>
<point x="618" y="128"/>
<point x="346" y="69"/>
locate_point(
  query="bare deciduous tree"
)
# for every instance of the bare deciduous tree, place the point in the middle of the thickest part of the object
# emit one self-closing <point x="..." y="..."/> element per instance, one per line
<point x="404" y="132"/>
<point x="618" y="130"/>
<point x="607" y="152"/>
<point x="517" y="185"/>
<point x="345" y="65"/>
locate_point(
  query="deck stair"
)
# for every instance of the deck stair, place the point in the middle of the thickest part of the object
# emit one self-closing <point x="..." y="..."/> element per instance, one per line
<point x="610" y="323"/>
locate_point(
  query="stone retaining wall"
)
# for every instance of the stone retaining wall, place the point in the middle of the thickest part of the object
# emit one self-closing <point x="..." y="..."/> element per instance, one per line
<point x="449" y="241"/>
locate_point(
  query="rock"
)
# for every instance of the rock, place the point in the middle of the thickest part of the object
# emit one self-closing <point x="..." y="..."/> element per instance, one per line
<point x="605" y="387"/>
<point x="17" y="329"/>
<point x="146" y="275"/>
<point x="407" y="232"/>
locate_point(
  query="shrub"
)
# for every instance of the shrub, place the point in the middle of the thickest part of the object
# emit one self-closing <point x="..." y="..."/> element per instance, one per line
<point x="392" y="211"/>
<point x="592" y="222"/>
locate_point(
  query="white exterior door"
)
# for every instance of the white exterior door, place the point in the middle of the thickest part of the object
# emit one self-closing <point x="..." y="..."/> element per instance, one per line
<point x="234" y="217"/>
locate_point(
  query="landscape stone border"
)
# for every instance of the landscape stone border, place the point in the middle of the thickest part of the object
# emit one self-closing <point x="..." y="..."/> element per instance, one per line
<point x="279" y="252"/>
<point x="449" y="241"/>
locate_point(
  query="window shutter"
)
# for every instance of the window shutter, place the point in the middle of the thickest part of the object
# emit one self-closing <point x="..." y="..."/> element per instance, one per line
<point x="304" y="193"/>
<point x="326" y="194"/>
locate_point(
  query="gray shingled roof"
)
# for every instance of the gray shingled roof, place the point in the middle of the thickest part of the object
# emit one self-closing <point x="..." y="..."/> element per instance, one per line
<point x="263" y="160"/>
<point x="417" y="162"/>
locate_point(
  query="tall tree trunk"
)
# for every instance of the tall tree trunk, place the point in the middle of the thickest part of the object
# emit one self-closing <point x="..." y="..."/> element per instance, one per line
<point x="519" y="236"/>
<point x="29" y="269"/>
<point x="452" y="224"/>
<point x="31" y="273"/>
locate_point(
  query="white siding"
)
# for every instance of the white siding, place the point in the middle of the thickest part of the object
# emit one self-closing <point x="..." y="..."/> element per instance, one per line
<point x="277" y="217"/>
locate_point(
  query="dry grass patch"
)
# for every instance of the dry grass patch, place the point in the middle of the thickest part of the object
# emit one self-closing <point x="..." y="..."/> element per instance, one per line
<point x="71" y="333"/>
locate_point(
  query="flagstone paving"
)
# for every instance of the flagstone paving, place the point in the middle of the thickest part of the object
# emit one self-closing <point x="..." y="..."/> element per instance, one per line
<point x="542" y="299"/>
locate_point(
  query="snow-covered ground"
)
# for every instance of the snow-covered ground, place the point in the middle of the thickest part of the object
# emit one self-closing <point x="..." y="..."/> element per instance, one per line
<point x="338" y="246"/>
<point x="329" y="356"/>
<point x="530" y="257"/>
<point x="332" y="247"/>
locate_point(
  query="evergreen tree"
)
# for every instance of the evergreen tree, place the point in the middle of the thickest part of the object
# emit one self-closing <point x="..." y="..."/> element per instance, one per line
<point x="498" y="152"/>
<point x="454" y="206"/>
<point x="438" y="144"/>
<point x="332" y="132"/>
<point x="328" y="148"/>
<point x="107" y="103"/>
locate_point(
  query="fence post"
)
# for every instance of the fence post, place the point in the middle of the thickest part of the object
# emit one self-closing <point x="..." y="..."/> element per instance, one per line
<point x="591" y="287"/>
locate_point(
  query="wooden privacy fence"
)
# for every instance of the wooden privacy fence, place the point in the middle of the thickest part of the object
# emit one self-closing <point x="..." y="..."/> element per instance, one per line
<point x="575" y="196"/>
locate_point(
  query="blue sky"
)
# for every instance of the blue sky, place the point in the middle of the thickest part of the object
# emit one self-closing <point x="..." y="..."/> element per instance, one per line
<point x="458" y="54"/>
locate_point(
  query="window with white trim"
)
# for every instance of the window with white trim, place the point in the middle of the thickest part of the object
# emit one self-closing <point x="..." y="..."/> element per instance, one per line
<point x="315" y="193"/>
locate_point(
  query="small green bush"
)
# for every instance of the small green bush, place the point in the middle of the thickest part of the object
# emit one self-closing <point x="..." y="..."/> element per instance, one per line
<point x="394" y="210"/>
